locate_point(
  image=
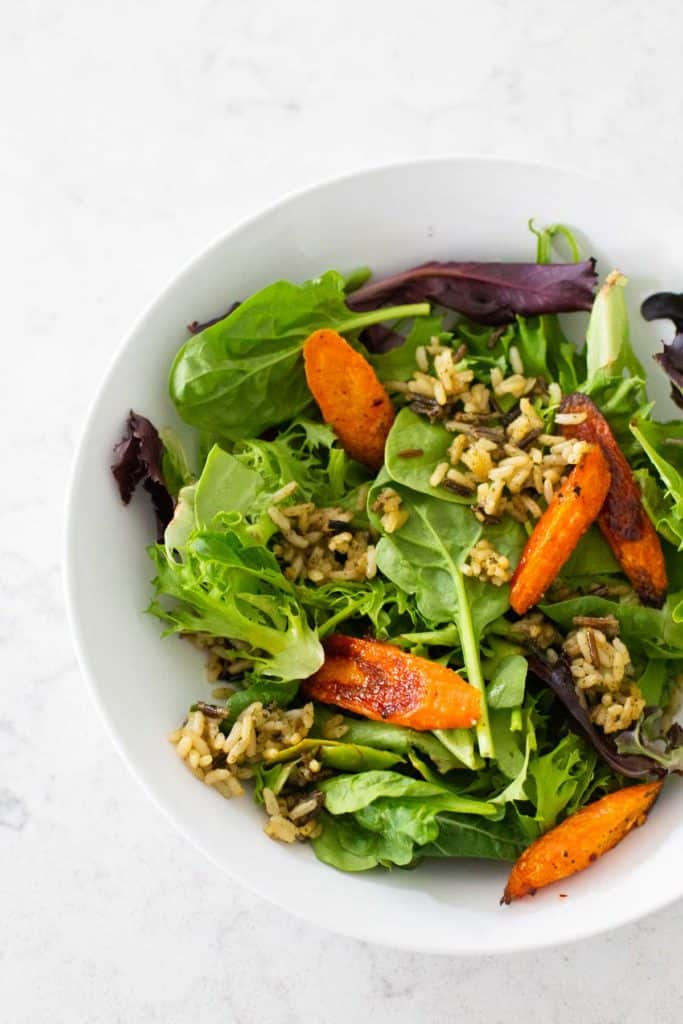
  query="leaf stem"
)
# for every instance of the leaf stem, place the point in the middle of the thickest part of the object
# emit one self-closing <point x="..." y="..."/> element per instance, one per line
<point x="376" y="316"/>
<point x="470" y="652"/>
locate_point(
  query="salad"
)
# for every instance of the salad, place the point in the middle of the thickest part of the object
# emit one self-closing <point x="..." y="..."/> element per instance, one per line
<point x="430" y="550"/>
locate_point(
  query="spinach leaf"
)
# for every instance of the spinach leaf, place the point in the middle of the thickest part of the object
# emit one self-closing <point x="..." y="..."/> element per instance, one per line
<point x="425" y="557"/>
<point x="467" y="836"/>
<point x="394" y="738"/>
<point x="381" y="817"/>
<point x="245" y="373"/>
<point x="592" y="556"/>
<point x="343" y="756"/>
<point x="507" y="688"/>
<point x="343" y="844"/>
<point x="652" y="681"/>
<point x="225" y="589"/>
<point x="411" y="433"/>
<point x="347" y="794"/>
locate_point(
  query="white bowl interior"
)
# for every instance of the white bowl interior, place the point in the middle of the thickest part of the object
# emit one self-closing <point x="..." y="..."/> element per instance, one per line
<point x="387" y="218"/>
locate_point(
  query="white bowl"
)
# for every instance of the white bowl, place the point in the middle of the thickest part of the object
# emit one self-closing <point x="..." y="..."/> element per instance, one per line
<point x="388" y="218"/>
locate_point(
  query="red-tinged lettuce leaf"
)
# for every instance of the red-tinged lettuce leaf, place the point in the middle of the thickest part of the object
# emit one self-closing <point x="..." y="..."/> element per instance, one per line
<point x="488" y="293"/>
<point x="557" y="675"/>
<point x="196" y="327"/>
<point x="669" y="306"/>
<point x="649" y="739"/>
<point x="137" y="460"/>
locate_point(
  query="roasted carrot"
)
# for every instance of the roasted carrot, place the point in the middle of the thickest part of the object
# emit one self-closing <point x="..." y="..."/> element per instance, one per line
<point x="572" y="510"/>
<point x="382" y="682"/>
<point x="580" y="839"/>
<point x="623" y="521"/>
<point x="349" y="395"/>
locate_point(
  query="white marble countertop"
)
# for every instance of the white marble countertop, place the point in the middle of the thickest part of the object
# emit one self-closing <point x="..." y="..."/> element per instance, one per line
<point x="133" y="133"/>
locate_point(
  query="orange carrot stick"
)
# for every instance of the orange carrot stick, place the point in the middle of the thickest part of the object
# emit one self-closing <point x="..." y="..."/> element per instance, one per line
<point x="623" y="521"/>
<point x="382" y="682"/>
<point x="580" y="839"/>
<point x="573" y="508"/>
<point x="349" y="395"/>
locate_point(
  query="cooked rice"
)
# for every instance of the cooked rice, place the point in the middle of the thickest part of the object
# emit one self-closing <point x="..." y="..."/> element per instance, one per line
<point x="320" y="544"/>
<point x="258" y="734"/>
<point x="388" y="503"/>
<point x="602" y="673"/>
<point x="513" y="466"/>
<point x="485" y="563"/>
<point x="535" y="629"/>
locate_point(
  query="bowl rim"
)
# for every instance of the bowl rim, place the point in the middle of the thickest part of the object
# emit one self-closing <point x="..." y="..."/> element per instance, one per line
<point x="368" y="932"/>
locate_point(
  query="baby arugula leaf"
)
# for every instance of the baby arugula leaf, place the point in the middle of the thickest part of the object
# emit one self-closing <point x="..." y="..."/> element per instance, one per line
<point x="245" y="373"/>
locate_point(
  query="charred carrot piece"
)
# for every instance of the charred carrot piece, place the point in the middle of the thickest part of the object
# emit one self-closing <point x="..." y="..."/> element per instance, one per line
<point x="349" y="395"/>
<point x="572" y="510"/>
<point x="382" y="682"/>
<point x="623" y="521"/>
<point x="580" y="839"/>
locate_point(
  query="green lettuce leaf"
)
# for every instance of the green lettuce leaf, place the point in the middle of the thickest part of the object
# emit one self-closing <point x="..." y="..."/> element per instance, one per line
<point x="608" y="343"/>
<point x="560" y="777"/>
<point x="663" y="445"/>
<point x="224" y="589"/>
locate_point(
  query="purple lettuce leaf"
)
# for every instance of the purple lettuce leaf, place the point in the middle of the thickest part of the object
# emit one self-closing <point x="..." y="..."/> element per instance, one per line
<point x="137" y="460"/>
<point x="378" y="338"/>
<point x="488" y="293"/>
<point x="669" y="306"/>
<point x="557" y="675"/>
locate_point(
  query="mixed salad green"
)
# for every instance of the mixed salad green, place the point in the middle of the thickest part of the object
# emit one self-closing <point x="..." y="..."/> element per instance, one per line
<point x="392" y="795"/>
